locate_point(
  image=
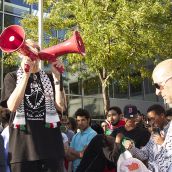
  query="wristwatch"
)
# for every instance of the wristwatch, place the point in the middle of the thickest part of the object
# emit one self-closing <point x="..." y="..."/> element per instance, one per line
<point x="56" y="82"/>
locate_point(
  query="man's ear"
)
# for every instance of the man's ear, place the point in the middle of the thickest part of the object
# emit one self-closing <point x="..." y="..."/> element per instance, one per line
<point x="89" y="121"/>
<point x="121" y="116"/>
<point x="162" y="116"/>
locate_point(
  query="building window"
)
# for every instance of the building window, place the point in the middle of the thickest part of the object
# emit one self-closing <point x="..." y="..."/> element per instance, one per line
<point x="136" y="89"/>
<point x="18" y="2"/>
<point x="0" y="23"/>
<point x="74" y="88"/>
<point x="92" y="86"/>
<point x="61" y="34"/>
<point x="120" y="91"/>
<point x="17" y="7"/>
<point x="9" y="20"/>
<point x="1" y="6"/>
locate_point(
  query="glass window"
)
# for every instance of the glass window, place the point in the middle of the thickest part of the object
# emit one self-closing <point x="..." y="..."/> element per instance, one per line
<point x="0" y="50"/>
<point x="74" y="89"/>
<point x="0" y="6"/>
<point x="120" y="91"/>
<point x="136" y="89"/>
<point x="34" y="7"/>
<point x="17" y="7"/>
<point x="9" y="20"/>
<point x="61" y="34"/>
<point x="92" y="86"/>
<point x="0" y="22"/>
<point x="18" y="2"/>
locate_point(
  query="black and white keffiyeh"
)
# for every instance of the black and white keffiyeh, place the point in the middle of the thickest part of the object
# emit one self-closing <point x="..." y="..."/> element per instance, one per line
<point x="51" y="116"/>
<point x="163" y="158"/>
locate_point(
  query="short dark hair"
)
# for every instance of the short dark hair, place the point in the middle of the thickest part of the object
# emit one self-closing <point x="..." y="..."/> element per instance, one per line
<point x="82" y="112"/>
<point x="158" y="109"/>
<point x="97" y="127"/>
<point x="4" y="115"/>
<point x="169" y="112"/>
<point x="116" y="108"/>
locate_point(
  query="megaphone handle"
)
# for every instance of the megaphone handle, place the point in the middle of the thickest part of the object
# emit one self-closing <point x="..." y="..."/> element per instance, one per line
<point x="61" y="82"/>
<point x="60" y="69"/>
<point x="26" y="68"/>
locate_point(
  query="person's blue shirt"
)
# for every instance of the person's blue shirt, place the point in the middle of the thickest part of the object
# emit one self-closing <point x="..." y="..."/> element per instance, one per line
<point x="79" y="141"/>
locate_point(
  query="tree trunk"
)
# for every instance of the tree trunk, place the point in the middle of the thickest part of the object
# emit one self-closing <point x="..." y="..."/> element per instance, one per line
<point x="106" y="100"/>
<point x="105" y="89"/>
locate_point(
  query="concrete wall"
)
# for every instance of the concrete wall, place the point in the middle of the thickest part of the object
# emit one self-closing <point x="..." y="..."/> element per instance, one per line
<point x="141" y="105"/>
<point x="94" y="104"/>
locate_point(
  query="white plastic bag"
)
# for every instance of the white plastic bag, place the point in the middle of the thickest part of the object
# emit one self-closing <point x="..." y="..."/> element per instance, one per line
<point x="126" y="163"/>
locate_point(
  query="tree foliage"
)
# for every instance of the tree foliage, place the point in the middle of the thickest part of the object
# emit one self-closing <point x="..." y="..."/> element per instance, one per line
<point x="121" y="36"/>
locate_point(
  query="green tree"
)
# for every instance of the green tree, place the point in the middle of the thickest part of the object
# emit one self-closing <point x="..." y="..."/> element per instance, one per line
<point x="121" y="36"/>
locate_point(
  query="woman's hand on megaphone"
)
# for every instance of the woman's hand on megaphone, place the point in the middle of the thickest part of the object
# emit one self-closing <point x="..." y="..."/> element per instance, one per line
<point x="27" y="65"/>
<point x="57" y="65"/>
<point x="56" y="68"/>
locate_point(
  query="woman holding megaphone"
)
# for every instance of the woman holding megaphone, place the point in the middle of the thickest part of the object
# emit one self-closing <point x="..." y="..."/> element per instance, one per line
<point x="34" y="97"/>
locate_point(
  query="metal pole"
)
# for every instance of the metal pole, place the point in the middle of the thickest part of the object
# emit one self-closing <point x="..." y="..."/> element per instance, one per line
<point x="82" y="93"/>
<point x="40" y="28"/>
<point x="143" y="89"/>
<point x="129" y="89"/>
<point x="2" y="59"/>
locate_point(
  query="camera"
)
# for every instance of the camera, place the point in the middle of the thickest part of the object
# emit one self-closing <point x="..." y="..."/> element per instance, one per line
<point x="63" y="128"/>
<point x="156" y="130"/>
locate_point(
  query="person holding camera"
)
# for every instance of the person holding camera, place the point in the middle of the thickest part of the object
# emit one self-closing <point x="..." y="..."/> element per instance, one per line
<point x="158" y="150"/>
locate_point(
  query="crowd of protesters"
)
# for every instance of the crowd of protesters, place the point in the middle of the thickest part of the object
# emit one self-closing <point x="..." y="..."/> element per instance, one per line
<point x="92" y="149"/>
<point x="35" y="139"/>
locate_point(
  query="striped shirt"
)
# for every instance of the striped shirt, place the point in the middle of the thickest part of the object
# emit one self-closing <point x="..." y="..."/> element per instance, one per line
<point x="159" y="156"/>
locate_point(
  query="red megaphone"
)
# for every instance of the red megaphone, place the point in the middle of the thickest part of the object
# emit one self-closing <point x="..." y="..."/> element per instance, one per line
<point x="72" y="45"/>
<point x="13" y="39"/>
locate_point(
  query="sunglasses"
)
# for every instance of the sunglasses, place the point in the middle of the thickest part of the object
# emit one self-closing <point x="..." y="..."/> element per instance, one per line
<point x="161" y="84"/>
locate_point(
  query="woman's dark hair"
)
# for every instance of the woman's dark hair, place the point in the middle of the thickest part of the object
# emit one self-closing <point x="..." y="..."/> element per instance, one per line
<point x="158" y="109"/>
<point x="73" y="123"/>
<point x="168" y="112"/>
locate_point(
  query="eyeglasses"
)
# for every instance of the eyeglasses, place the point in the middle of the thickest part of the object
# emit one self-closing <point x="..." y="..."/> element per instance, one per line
<point x="161" y="84"/>
<point x="148" y="120"/>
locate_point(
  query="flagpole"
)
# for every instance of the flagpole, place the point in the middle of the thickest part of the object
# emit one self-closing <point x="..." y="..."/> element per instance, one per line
<point x="40" y="28"/>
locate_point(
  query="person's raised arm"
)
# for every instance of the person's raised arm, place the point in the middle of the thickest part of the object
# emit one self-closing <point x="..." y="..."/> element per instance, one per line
<point x="17" y="95"/>
<point x="60" y="97"/>
<point x="142" y="153"/>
